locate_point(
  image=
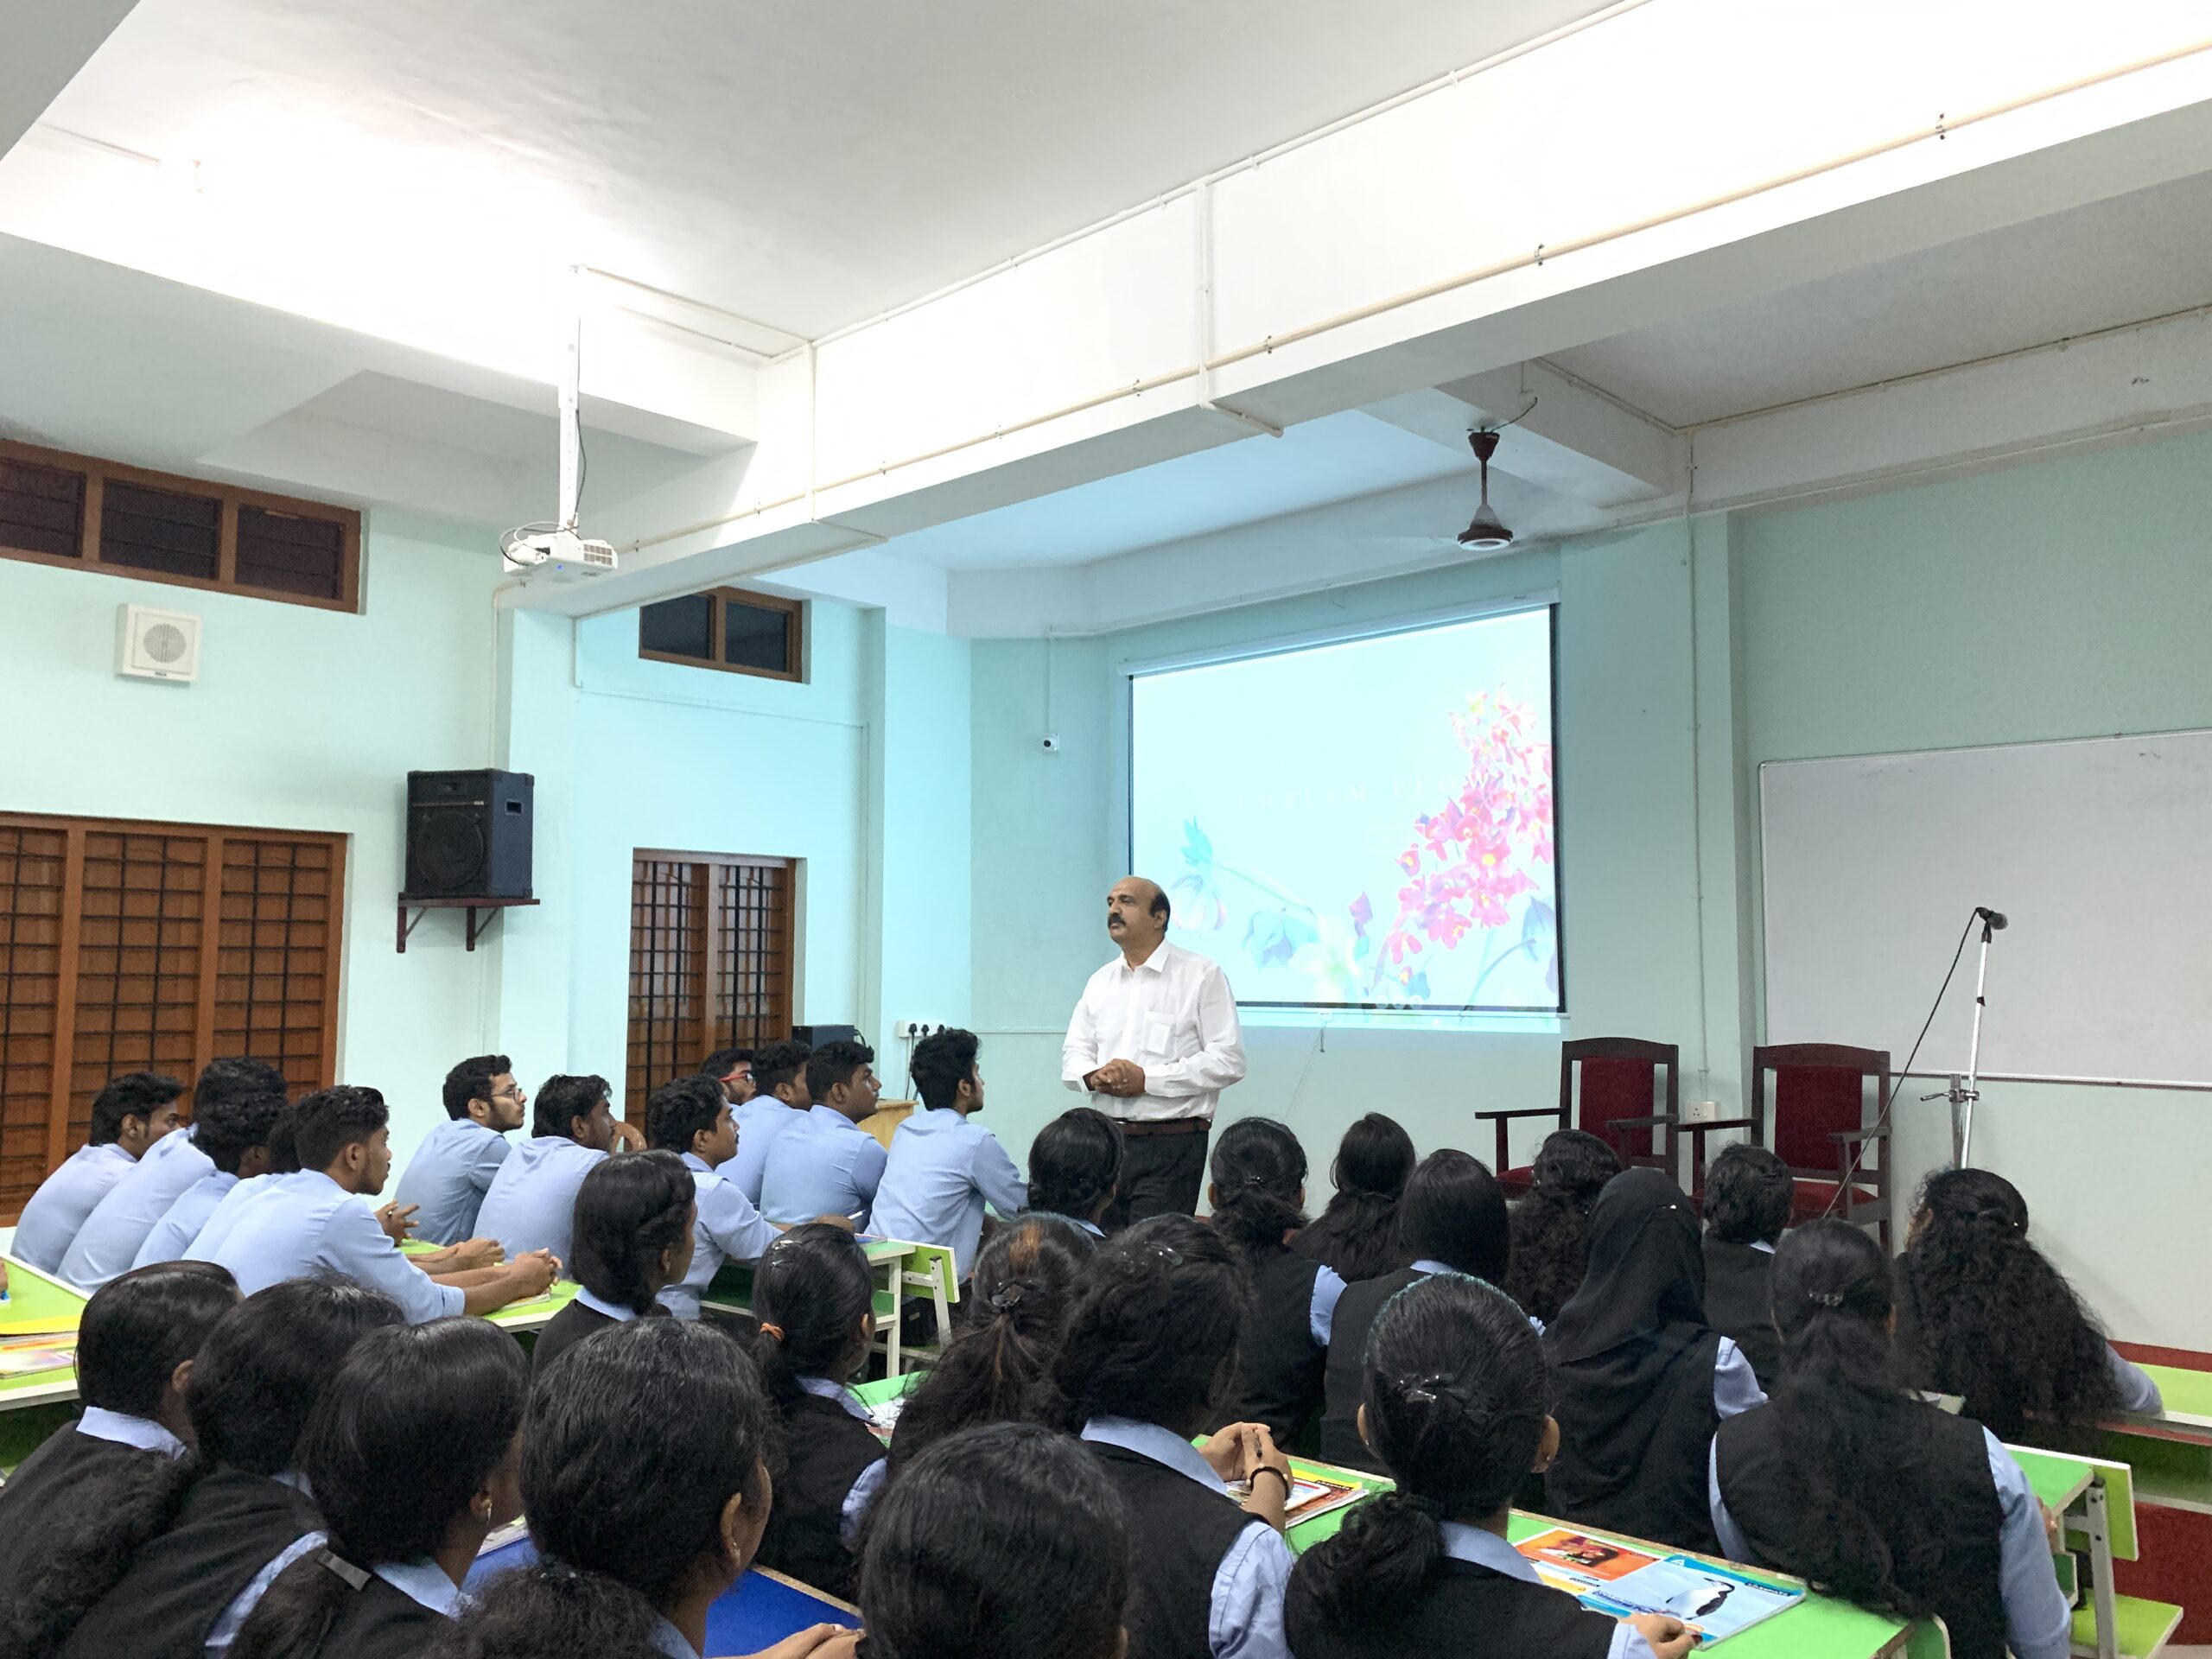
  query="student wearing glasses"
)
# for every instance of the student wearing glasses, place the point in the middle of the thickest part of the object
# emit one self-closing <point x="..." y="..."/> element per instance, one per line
<point x="452" y="1170"/>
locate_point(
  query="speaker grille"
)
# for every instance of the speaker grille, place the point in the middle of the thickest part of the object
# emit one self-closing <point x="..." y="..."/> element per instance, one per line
<point x="448" y="853"/>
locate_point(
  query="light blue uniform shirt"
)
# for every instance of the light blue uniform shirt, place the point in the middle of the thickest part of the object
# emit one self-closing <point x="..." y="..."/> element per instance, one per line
<point x="728" y="1228"/>
<point x="1321" y="1310"/>
<point x="667" y="1639"/>
<point x="49" y="1222"/>
<point x="941" y="1169"/>
<point x="447" y="1177"/>
<point x="108" y="1242"/>
<point x="173" y="1233"/>
<point x="311" y="1225"/>
<point x="1480" y="1549"/>
<point x="123" y="1429"/>
<point x="1245" y="1619"/>
<point x="866" y="1484"/>
<point x="532" y="1202"/>
<point x="759" y="1120"/>
<point x="2137" y="1391"/>
<point x="2038" y="1623"/>
<point x="233" y="1205"/>
<point x="823" y="1164"/>
<point x="423" y="1582"/>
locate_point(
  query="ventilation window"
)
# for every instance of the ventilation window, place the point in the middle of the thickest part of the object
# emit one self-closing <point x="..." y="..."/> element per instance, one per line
<point x="160" y="530"/>
<point x="42" y="510"/>
<point x="728" y="629"/>
<point x="291" y="555"/>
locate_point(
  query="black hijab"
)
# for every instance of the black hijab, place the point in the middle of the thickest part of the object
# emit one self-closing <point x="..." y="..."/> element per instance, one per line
<point x="1631" y="1364"/>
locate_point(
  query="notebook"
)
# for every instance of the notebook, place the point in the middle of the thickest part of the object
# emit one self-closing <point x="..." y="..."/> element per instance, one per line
<point x="1714" y="1601"/>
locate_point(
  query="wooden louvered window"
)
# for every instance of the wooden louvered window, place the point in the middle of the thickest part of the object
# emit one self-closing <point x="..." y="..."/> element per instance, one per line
<point x="108" y="963"/>
<point x="710" y="962"/>
<point x="95" y="515"/>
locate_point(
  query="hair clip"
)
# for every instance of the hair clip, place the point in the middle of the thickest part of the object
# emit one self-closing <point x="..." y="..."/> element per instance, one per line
<point x="1006" y="1298"/>
<point x="341" y="1568"/>
<point x="769" y="1329"/>
<point x="1165" y="1253"/>
<point x="1825" y="1297"/>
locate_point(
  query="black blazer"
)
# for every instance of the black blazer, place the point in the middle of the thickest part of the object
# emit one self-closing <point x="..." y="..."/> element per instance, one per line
<point x="570" y="1326"/>
<point x="1738" y="1304"/>
<point x="826" y="1449"/>
<point x="63" y="1461"/>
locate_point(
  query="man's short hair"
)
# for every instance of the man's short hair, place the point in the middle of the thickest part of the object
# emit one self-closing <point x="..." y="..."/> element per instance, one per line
<point x="778" y="1064"/>
<point x="563" y="1098"/>
<point x="942" y="1061"/>
<point x="834" y="1062"/>
<point x="472" y="1080"/>
<point x="135" y="1094"/>
<point x="331" y="1120"/>
<point x="723" y="1061"/>
<point x="1160" y="905"/>
<point x="1747" y="1195"/>
<point x="228" y="1126"/>
<point x="234" y="1077"/>
<point x="681" y="1110"/>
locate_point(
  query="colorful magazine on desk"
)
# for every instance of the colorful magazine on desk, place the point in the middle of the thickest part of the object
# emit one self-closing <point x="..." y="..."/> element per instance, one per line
<point x="1611" y="1578"/>
<point x="1310" y="1494"/>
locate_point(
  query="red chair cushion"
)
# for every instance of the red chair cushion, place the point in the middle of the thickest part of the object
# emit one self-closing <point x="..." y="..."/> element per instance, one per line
<point x="1812" y="1102"/>
<point x="1612" y="1089"/>
<point x="1516" y="1183"/>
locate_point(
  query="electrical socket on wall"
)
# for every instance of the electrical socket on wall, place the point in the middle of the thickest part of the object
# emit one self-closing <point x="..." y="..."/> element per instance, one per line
<point x="910" y="1031"/>
<point x="1700" y="1111"/>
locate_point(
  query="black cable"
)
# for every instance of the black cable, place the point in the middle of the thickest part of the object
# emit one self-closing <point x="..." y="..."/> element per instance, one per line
<point x="1882" y="1123"/>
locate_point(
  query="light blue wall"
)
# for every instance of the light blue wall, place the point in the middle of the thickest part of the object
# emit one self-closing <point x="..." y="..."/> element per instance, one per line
<point x="301" y="719"/>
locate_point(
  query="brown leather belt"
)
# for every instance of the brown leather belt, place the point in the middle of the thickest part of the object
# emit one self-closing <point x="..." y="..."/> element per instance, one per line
<point x="1166" y="1126"/>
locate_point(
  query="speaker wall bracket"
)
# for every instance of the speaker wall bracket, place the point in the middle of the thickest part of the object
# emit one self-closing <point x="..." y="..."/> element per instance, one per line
<point x="491" y="907"/>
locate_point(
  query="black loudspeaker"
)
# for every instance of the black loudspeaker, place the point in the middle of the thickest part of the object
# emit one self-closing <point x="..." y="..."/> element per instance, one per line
<point x="815" y="1036"/>
<point x="469" y="835"/>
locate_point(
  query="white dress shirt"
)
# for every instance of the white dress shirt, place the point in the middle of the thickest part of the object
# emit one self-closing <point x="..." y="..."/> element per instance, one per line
<point x="1174" y="1015"/>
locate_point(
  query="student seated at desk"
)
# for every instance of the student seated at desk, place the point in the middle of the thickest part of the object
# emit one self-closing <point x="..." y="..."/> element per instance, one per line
<point x="315" y="1222"/>
<point x="1845" y="1478"/>
<point x="641" y="1517"/>
<point x="1357" y="1234"/>
<point x="691" y="1118"/>
<point x="136" y="1341"/>
<point x="283" y="1159"/>
<point x="633" y="1239"/>
<point x="131" y="1114"/>
<point x="1639" y="1380"/>
<point x="815" y="1298"/>
<point x="1258" y="1199"/>
<point x="780" y="1100"/>
<point x="825" y="1164"/>
<point x="452" y="1169"/>
<point x="159" y="1558"/>
<point x="412" y="1457"/>
<point x="1075" y="1168"/>
<point x="1002" y="1542"/>
<point x="1551" y="1225"/>
<point x="943" y="1166"/>
<point x="1982" y="1314"/>
<point x="233" y="1131"/>
<point x="109" y="1241"/>
<point x="732" y="1069"/>
<point x="1452" y="1404"/>
<point x="1747" y="1196"/>
<point x="1451" y="1219"/>
<point x="999" y="1366"/>
<point x="1149" y="1353"/>
<point x="534" y="1195"/>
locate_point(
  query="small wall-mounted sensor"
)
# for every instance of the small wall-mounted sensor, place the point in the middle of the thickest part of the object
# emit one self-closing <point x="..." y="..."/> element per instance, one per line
<point x="1050" y="743"/>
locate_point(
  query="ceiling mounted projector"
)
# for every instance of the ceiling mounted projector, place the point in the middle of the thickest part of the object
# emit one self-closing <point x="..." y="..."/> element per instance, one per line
<point x="1486" y="532"/>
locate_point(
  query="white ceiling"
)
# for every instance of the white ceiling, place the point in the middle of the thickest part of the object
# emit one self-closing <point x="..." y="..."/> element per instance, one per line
<point x="804" y="165"/>
<point x="2117" y="261"/>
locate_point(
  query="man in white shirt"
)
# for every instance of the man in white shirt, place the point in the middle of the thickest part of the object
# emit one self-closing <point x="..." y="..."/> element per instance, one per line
<point x="1155" y="1037"/>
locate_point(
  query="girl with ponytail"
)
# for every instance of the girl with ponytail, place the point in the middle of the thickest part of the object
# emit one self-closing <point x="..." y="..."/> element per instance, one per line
<point x="815" y="1301"/>
<point x="412" y="1458"/>
<point x="1357" y="1234"/>
<point x="1452" y="1407"/>
<point x="645" y="1478"/>
<point x="1847" y="1479"/>
<point x="1984" y="1315"/>
<point x="156" y="1557"/>
<point x="1551" y="1225"/>
<point x="999" y="1367"/>
<point x="1258" y="1198"/>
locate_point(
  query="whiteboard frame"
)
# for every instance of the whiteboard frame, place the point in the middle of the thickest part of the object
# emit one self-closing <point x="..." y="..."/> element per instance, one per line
<point x="1766" y="955"/>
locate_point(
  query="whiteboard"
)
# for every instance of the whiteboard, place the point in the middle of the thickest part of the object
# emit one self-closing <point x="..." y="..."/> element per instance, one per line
<point x="2099" y="851"/>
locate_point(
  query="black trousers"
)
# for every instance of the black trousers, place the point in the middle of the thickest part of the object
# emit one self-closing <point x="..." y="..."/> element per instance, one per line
<point x="1160" y="1176"/>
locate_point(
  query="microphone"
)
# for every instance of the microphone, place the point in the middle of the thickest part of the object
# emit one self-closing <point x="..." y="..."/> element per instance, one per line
<point x="1995" y="918"/>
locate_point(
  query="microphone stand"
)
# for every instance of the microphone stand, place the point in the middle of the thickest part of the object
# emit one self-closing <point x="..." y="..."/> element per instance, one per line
<point x="1963" y="1094"/>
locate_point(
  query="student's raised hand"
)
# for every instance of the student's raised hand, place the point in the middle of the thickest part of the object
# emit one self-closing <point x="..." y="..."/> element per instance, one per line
<point x="1669" y="1637"/>
<point x="533" y="1271"/>
<point x="479" y="1253"/>
<point x="815" y="1642"/>
<point x="397" y="1224"/>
